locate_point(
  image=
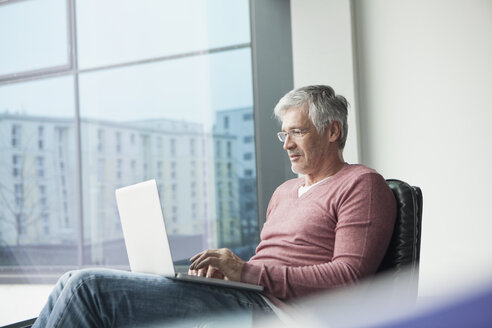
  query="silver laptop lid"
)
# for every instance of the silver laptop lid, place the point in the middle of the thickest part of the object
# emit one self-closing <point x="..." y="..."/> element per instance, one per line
<point x="144" y="229"/>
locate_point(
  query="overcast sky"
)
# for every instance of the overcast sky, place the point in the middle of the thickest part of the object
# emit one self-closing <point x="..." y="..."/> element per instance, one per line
<point x="33" y="35"/>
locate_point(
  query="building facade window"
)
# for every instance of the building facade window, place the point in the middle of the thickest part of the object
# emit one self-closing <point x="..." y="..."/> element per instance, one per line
<point x="248" y="117"/>
<point x="218" y="149"/>
<point x="193" y="211"/>
<point x="174" y="191"/>
<point x="40" y="137"/>
<point x="45" y="219"/>
<point x="19" y="195"/>
<point x="21" y="219"/>
<point x="192" y="147"/>
<point x="173" y="170"/>
<point x="193" y="190"/>
<point x="175" y="214"/>
<point x="226" y="122"/>
<point x="100" y="140"/>
<point x="16" y="166"/>
<point x="159" y="145"/>
<point x="229" y="170"/>
<point x="16" y="135"/>
<point x="172" y="146"/>
<point x="193" y="169"/>
<point x="42" y="196"/>
<point x="40" y="166"/>
<point x="248" y="139"/>
<point x="101" y="169"/>
<point x="118" y="142"/>
<point x="229" y="149"/>
<point x="159" y="169"/>
<point x="119" y="168"/>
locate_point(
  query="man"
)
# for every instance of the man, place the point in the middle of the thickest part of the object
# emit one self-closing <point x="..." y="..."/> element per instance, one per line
<point x="326" y="229"/>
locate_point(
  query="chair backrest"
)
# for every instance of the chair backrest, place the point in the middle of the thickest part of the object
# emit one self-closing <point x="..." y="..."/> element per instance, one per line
<point x="403" y="252"/>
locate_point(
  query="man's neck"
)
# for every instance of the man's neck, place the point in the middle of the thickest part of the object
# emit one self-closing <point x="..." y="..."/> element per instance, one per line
<point x="330" y="169"/>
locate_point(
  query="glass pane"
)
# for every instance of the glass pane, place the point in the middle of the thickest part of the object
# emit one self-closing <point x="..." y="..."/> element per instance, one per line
<point x="124" y="31"/>
<point x="33" y="35"/>
<point x="165" y="121"/>
<point x="38" y="200"/>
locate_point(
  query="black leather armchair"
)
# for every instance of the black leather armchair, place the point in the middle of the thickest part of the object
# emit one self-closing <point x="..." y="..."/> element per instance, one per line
<point x="403" y="252"/>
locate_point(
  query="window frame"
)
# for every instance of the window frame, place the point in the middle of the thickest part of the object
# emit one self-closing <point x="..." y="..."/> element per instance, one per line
<point x="271" y="78"/>
<point x="50" y="71"/>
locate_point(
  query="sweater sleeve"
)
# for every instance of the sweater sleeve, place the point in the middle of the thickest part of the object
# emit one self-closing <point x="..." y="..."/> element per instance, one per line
<point x="365" y="218"/>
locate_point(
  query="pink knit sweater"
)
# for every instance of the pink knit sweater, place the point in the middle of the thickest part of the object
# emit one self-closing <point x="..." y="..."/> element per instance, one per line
<point x="333" y="235"/>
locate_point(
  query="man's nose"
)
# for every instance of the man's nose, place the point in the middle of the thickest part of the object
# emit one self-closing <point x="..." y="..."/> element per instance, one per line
<point x="289" y="143"/>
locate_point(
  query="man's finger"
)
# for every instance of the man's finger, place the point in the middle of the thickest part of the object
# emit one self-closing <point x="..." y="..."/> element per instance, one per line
<point x="201" y="254"/>
<point x="205" y="255"/>
<point x="211" y="271"/>
<point x="218" y="275"/>
<point x="209" y="261"/>
<point x="202" y="272"/>
<point x="196" y="256"/>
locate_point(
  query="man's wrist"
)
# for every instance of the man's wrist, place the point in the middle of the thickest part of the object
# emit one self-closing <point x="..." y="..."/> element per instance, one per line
<point x="250" y="273"/>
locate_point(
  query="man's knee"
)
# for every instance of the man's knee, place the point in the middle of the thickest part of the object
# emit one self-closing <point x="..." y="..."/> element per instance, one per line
<point x="78" y="279"/>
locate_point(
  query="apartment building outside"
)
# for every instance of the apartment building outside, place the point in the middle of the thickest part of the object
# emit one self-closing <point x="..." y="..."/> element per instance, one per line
<point x="197" y="175"/>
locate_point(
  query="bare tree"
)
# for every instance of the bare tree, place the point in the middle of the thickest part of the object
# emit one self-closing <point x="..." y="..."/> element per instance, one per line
<point x="19" y="186"/>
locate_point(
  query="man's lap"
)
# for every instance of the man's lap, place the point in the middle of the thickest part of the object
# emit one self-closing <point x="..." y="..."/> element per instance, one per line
<point x="126" y="298"/>
<point x="150" y="288"/>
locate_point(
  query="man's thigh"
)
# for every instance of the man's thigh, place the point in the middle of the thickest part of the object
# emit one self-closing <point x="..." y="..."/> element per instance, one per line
<point x="127" y="298"/>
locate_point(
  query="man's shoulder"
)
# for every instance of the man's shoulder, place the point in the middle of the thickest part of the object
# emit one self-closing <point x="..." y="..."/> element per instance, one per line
<point x="355" y="175"/>
<point x="357" y="171"/>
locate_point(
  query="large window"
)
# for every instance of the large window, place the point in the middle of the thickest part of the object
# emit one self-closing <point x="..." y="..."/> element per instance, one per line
<point x="95" y="95"/>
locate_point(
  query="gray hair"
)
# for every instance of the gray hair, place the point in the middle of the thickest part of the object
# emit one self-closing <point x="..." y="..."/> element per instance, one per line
<point x="324" y="107"/>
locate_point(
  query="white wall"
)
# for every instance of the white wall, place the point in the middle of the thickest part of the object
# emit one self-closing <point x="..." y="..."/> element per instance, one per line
<point x="425" y="105"/>
<point x="318" y="27"/>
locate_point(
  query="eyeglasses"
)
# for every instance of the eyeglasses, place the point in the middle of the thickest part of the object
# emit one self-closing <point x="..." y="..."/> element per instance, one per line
<point x="293" y="134"/>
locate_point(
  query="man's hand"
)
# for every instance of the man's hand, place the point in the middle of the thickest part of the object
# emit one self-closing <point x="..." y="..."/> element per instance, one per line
<point x="217" y="263"/>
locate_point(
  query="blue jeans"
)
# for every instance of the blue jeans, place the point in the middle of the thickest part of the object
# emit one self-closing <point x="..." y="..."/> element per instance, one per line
<point x="112" y="298"/>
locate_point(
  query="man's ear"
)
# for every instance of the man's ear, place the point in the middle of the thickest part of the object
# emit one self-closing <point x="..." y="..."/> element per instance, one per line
<point x="334" y="131"/>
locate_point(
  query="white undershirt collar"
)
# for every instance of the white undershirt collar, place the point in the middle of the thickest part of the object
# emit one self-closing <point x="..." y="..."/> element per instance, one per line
<point x="303" y="189"/>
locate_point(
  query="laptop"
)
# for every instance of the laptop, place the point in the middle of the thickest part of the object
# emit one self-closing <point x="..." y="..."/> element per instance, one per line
<point x="146" y="238"/>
